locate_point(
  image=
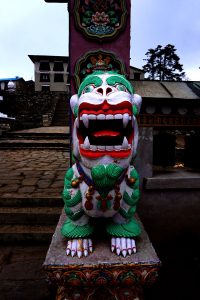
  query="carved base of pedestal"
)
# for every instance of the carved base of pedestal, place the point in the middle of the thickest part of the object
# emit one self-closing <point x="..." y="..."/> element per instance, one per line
<point x="99" y="293"/>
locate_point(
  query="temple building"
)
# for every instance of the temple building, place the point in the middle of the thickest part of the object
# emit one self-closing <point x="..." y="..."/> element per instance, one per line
<point x="51" y="73"/>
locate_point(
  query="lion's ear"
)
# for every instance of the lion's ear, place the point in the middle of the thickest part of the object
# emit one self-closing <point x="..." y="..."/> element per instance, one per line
<point x="74" y="105"/>
<point x="136" y="101"/>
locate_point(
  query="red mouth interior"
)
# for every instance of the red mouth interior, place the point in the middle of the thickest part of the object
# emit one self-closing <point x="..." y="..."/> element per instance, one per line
<point x="108" y="132"/>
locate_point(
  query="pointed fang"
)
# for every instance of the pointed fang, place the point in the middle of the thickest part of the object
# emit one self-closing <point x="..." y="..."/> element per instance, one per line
<point x="125" y="120"/>
<point x="86" y="143"/>
<point x="125" y="143"/>
<point x="85" y="120"/>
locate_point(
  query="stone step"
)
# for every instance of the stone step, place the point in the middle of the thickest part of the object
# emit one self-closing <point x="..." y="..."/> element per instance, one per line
<point x="59" y="123"/>
<point x="26" y="233"/>
<point x="31" y="201"/>
<point x="32" y="143"/>
<point x="35" y="135"/>
<point x="29" y="215"/>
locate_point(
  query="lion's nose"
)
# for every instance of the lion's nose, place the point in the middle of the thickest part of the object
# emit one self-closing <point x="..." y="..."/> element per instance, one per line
<point x="104" y="91"/>
<point x="100" y="91"/>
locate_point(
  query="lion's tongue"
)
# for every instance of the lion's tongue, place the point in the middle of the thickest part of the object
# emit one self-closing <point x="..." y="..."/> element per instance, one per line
<point x="106" y="133"/>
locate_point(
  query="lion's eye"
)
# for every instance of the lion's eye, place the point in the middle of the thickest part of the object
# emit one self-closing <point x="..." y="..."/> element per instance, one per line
<point x="121" y="88"/>
<point x="88" y="89"/>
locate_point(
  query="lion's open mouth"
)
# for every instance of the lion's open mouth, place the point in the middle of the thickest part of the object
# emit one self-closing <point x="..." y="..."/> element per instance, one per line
<point x="105" y="132"/>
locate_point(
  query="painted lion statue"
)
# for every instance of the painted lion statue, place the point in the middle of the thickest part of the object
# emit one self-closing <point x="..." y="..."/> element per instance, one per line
<point x="103" y="183"/>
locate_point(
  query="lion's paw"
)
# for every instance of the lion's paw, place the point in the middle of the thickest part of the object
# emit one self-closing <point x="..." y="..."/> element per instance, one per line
<point x="79" y="247"/>
<point x="123" y="246"/>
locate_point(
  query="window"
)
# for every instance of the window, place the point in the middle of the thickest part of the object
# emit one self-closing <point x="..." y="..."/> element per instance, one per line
<point x="58" y="66"/>
<point x="45" y="88"/>
<point x="44" y="77"/>
<point x="176" y="149"/>
<point x="58" y="78"/>
<point x="44" y="66"/>
<point x="3" y="85"/>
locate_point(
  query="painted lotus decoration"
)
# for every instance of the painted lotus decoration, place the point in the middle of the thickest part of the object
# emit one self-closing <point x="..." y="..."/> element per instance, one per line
<point x="103" y="183"/>
<point x="100" y="19"/>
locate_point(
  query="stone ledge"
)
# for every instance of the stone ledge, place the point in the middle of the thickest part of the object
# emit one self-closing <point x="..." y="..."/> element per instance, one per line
<point x="176" y="180"/>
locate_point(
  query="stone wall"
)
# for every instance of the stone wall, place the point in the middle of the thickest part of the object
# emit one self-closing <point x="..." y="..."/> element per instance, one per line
<point x="30" y="109"/>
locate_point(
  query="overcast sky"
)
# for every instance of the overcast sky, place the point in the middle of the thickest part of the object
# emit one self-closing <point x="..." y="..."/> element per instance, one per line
<point x="39" y="28"/>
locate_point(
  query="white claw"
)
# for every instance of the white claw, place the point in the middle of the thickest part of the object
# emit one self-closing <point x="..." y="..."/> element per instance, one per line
<point x="85" y="247"/>
<point x="73" y="253"/>
<point x="123" y="247"/>
<point x="133" y="245"/>
<point x="113" y="244"/>
<point x="69" y="246"/>
<point x="79" y="254"/>
<point x="129" y="248"/>
<point x="90" y="245"/>
<point x="79" y="248"/>
<point x="118" y="246"/>
<point x="85" y="253"/>
<point x="73" y="248"/>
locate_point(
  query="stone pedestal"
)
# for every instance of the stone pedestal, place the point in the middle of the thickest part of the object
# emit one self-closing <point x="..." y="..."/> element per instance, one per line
<point x="102" y="274"/>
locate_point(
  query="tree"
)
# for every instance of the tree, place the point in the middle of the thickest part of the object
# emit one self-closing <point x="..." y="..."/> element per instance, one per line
<point x="163" y="64"/>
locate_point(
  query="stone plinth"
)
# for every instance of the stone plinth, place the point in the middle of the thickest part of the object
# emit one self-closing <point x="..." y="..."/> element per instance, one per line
<point x="102" y="273"/>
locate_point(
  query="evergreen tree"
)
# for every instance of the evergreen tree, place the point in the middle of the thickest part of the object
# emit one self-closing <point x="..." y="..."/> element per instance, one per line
<point x="163" y="64"/>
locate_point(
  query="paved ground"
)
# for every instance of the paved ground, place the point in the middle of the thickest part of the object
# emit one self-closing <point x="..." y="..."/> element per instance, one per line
<point x="32" y="173"/>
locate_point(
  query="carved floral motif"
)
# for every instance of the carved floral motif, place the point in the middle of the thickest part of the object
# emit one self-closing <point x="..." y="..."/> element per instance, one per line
<point x="100" y="18"/>
<point x="97" y="60"/>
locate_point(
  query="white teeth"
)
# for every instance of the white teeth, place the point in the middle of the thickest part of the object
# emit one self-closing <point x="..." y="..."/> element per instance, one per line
<point x="92" y="117"/>
<point x="101" y="117"/>
<point x="125" y="143"/>
<point x="118" y="147"/>
<point x="87" y="146"/>
<point x="118" y="116"/>
<point x="85" y="120"/>
<point x="109" y="148"/>
<point x="125" y="120"/>
<point x="86" y="143"/>
<point x="101" y="148"/>
<point x="93" y="147"/>
<point x="109" y="117"/>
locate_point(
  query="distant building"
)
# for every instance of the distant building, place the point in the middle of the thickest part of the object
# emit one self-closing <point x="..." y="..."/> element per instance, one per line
<point x="12" y="84"/>
<point x="51" y="73"/>
<point x="136" y="74"/>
